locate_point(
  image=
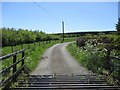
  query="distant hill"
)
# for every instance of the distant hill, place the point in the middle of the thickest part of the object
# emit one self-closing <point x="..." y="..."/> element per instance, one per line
<point x="82" y="33"/>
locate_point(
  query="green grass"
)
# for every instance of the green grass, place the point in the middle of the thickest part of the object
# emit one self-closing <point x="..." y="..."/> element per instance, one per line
<point x="93" y="60"/>
<point x="32" y="54"/>
<point x="89" y="57"/>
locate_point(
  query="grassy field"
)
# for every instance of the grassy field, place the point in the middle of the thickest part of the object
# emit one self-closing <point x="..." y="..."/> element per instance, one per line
<point x="32" y="56"/>
<point x="33" y="53"/>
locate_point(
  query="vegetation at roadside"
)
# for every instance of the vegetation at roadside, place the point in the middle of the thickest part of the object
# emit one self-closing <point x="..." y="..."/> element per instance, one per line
<point x="89" y="51"/>
<point x="33" y="54"/>
<point x="118" y="26"/>
<point x="12" y="37"/>
<point x="36" y="42"/>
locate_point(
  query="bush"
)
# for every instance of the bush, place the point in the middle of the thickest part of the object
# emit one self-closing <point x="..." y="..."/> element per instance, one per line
<point x="11" y="36"/>
<point x="93" y="57"/>
<point x="80" y="42"/>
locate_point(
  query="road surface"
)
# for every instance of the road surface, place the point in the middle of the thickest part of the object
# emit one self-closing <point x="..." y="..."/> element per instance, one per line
<point x="57" y="60"/>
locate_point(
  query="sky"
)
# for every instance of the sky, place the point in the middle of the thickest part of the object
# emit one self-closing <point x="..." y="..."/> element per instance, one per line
<point x="47" y="16"/>
<point x="119" y="9"/>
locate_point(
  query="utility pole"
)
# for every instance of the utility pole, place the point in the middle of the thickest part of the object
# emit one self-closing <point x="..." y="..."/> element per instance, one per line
<point x="63" y="30"/>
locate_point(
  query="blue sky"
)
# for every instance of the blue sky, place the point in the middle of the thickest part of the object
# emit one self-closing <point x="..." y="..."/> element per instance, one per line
<point x="78" y="16"/>
<point x="119" y="9"/>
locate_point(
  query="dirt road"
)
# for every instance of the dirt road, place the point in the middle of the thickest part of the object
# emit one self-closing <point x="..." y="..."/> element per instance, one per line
<point x="57" y="60"/>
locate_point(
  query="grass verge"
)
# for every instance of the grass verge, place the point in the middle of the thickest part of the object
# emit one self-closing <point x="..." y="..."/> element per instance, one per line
<point x="33" y="56"/>
<point x="93" y="60"/>
<point x="90" y="60"/>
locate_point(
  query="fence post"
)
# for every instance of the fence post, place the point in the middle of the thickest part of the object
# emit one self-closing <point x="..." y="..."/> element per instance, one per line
<point x="108" y="58"/>
<point x="34" y="43"/>
<point x="21" y="46"/>
<point x="23" y="54"/>
<point x="14" y="61"/>
<point x="12" y="48"/>
<point x="28" y="46"/>
<point x="39" y="43"/>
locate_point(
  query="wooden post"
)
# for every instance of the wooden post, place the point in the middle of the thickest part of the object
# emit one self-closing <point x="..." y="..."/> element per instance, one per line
<point x="39" y="43"/>
<point x="34" y="43"/>
<point x="11" y="44"/>
<point x="108" y="59"/>
<point x="12" y="48"/>
<point x="21" y="46"/>
<point x="14" y="61"/>
<point x="28" y="46"/>
<point x="63" y="30"/>
<point x="23" y="54"/>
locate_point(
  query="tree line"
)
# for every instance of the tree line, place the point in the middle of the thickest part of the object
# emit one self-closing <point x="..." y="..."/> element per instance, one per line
<point x="11" y="36"/>
<point x="118" y="26"/>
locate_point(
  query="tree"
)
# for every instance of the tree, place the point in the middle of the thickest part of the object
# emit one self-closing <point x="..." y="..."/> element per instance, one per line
<point x="11" y="36"/>
<point x="118" y="26"/>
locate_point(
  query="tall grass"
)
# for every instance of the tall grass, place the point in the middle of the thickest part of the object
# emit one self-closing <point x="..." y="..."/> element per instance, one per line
<point x="94" y="60"/>
<point x="32" y="54"/>
<point x="89" y="58"/>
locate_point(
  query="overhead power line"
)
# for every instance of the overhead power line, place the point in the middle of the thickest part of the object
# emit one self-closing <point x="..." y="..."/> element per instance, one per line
<point x="46" y="11"/>
<point x="50" y="14"/>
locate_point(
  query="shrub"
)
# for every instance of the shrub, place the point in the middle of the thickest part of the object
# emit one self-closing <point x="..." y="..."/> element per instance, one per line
<point x="80" y="42"/>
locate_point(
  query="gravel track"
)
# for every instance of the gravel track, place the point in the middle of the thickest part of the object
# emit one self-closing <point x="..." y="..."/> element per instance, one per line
<point x="57" y="60"/>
